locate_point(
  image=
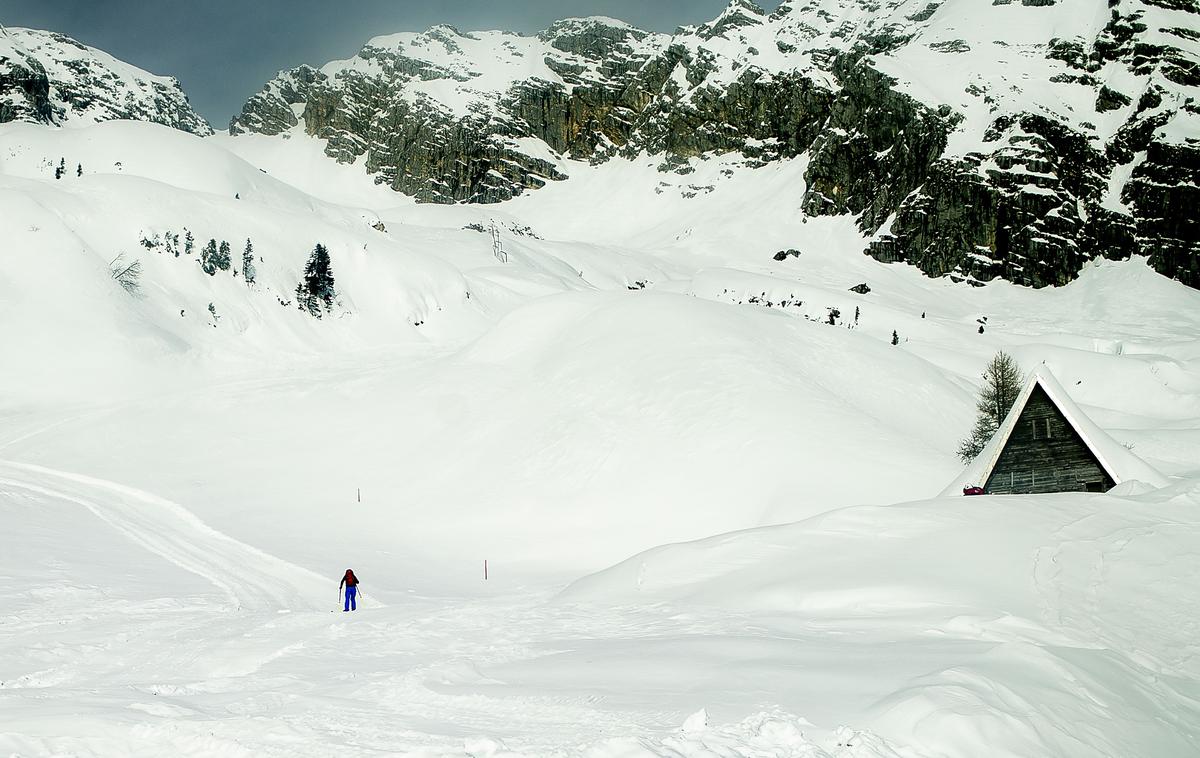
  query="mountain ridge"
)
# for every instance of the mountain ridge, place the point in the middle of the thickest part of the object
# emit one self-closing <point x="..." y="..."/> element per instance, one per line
<point x="1076" y="136"/>
<point x="50" y="78"/>
<point x="1088" y="149"/>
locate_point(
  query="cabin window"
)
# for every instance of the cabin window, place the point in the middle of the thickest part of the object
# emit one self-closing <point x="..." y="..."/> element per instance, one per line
<point x="1041" y="429"/>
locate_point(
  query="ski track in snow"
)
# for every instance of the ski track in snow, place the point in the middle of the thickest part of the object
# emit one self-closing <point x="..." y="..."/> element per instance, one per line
<point x="186" y="676"/>
<point x="192" y="663"/>
<point x="247" y="576"/>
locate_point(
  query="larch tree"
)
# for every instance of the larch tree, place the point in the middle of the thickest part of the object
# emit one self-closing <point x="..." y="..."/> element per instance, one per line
<point x="1001" y="386"/>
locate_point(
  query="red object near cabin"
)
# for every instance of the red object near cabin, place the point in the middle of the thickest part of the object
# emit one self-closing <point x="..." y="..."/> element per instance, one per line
<point x="973" y="490"/>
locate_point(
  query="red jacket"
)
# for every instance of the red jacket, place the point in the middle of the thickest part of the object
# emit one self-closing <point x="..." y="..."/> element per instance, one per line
<point x="350" y="580"/>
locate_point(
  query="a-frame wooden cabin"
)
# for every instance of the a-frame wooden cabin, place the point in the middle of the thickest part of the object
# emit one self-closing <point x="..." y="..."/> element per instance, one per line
<point x="1047" y="444"/>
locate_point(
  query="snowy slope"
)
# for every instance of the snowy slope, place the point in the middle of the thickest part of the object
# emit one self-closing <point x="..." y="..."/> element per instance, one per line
<point x="636" y="368"/>
<point x="1002" y="626"/>
<point x="426" y="284"/>
<point x="536" y="375"/>
<point x="143" y="181"/>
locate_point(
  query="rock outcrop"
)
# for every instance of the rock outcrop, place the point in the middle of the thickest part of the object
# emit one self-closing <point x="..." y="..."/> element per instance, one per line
<point x="964" y="151"/>
<point x="49" y="78"/>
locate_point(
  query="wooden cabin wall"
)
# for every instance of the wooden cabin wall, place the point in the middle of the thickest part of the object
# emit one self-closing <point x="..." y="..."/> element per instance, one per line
<point x="1045" y="454"/>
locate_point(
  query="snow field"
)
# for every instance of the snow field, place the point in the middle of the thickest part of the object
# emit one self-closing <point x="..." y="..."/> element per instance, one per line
<point x="179" y="498"/>
<point x="1086" y="613"/>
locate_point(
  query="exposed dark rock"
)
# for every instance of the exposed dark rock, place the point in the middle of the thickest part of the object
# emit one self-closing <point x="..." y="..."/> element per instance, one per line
<point x="876" y="148"/>
<point x="925" y="13"/>
<point x="1164" y="193"/>
<point x="85" y="85"/>
<point x="739" y="14"/>
<point x="1176" y="5"/>
<point x="1110" y="100"/>
<point x="951" y="46"/>
<point x="270" y="111"/>
<point x="1032" y="204"/>
<point x="1018" y="219"/>
<point x="1069" y="52"/>
<point x="24" y="92"/>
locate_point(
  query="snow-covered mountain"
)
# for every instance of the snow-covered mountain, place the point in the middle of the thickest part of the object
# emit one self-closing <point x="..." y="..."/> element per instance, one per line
<point x="1011" y="139"/>
<point x="664" y="356"/>
<point x="49" y="78"/>
<point x="182" y="462"/>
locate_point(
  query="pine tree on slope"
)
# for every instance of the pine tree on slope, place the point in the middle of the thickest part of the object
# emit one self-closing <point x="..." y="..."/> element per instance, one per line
<point x="208" y="258"/>
<point x="248" y="270"/>
<point x="1001" y="385"/>
<point x="316" y="290"/>
<point x="224" y="257"/>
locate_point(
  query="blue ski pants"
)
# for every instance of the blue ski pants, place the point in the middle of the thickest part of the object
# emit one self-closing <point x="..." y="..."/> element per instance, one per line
<point x="351" y="593"/>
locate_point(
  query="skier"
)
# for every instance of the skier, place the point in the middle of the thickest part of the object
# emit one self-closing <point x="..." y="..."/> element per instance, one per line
<point x="350" y="581"/>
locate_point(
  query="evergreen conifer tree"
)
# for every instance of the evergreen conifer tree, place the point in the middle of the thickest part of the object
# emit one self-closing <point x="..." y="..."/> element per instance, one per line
<point x="1001" y="385"/>
<point x="189" y="242"/>
<point x="79" y="170"/>
<point x="208" y="258"/>
<point x="248" y="269"/>
<point x="316" y="290"/>
<point x="224" y="257"/>
<point x="61" y="168"/>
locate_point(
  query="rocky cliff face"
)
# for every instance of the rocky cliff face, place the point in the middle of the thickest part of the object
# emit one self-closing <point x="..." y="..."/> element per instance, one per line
<point x="49" y="78"/>
<point x="1014" y="139"/>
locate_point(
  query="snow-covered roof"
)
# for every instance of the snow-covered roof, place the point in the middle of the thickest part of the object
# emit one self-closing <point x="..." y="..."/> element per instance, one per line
<point x="1118" y="461"/>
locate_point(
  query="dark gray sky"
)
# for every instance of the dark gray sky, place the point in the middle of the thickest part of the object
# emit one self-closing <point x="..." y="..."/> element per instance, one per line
<point x="223" y="51"/>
